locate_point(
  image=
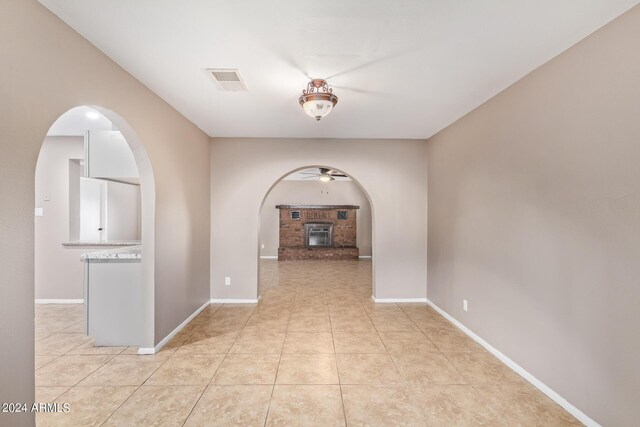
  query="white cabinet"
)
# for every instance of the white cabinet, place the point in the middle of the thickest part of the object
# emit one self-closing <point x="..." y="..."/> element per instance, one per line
<point x="113" y="300"/>
<point x="107" y="155"/>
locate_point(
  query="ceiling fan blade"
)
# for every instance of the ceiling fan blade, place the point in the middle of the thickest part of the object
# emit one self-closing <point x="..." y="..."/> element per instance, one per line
<point x="307" y="177"/>
<point x="362" y="91"/>
<point x="293" y="64"/>
<point x="369" y="64"/>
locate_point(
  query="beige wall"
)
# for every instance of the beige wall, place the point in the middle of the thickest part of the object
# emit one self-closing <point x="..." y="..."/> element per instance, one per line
<point x="313" y="192"/>
<point x="534" y="206"/>
<point x="391" y="172"/>
<point x="58" y="270"/>
<point x="78" y="74"/>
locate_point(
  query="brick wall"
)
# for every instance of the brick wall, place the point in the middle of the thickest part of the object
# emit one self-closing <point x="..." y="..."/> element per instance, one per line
<point x="292" y="238"/>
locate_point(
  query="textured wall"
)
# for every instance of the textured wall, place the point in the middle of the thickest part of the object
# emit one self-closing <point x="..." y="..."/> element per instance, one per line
<point x="79" y="74"/>
<point x="534" y="218"/>
<point x="391" y="172"/>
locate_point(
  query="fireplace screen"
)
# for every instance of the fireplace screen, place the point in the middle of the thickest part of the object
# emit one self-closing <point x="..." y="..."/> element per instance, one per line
<point x="318" y="234"/>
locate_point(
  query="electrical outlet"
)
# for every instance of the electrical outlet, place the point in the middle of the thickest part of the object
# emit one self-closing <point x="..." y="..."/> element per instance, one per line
<point x="227" y="281"/>
<point x="465" y="305"/>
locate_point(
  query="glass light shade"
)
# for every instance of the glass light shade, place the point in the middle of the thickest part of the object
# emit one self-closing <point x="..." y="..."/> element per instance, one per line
<point x="317" y="108"/>
<point x="326" y="178"/>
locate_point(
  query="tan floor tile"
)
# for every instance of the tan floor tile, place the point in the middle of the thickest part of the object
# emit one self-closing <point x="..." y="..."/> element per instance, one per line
<point x="89" y="348"/>
<point x="258" y="343"/>
<point x="452" y="405"/>
<point x="162" y="355"/>
<point x="393" y="323"/>
<point x="519" y="405"/>
<point x="309" y="324"/>
<point x="451" y="340"/>
<point x="310" y="310"/>
<point x="87" y="406"/>
<point x="43" y="360"/>
<point x="248" y="369"/>
<point x="186" y="369"/>
<point x="373" y="308"/>
<point x="207" y="342"/>
<point x="367" y="405"/>
<point x="483" y="368"/>
<point x="358" y="342"/>
<point x="351" y="324"/>
<point x="55" y="324"/>
<point x="59" y="343"/>
<point x="306" y="405"/>
<point x="307" y="369"/>
<point x="308" y="342"/>
<point x="427" y="369"/>
<point x="69" y="370"/>
<point x="124" y="370"/>
<point x="366" y="369"/>
<point x="346" y="310"/>
<point x="419" y="346"/>
<point x="267" y="322"/>
<point x="293" y="300"/>
<point x="49" y="394"/>
<point x="157" y="405"/>
<point x="241" y="405"/>
<point x="76" y="328"/>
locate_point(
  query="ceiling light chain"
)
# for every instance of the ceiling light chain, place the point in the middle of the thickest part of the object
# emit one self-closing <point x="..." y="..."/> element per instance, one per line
<point x="318" y="99"/>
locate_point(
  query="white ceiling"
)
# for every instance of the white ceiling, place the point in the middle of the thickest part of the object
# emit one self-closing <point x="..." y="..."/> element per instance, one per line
<point x="413" y="66"/>
<point x="75" y="122"/>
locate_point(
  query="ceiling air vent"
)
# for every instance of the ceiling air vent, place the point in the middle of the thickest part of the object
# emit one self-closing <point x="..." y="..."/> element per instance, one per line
<point x="229" y="80"/>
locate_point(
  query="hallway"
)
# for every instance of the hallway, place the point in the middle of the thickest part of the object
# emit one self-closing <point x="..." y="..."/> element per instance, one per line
<point x="315" y="351"/>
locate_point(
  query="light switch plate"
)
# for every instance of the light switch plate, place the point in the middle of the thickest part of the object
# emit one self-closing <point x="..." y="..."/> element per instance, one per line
<point x="39" y="211"/>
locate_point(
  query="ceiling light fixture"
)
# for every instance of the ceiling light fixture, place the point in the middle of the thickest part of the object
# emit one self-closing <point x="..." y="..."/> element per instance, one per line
<point x="317" y="100"/>
<point x="93" y="115"/>
<point x="326" y="178"/>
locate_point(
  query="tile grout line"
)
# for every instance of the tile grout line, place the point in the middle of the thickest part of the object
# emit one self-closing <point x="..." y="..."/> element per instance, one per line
<point x="278" y="368"/>
<point x="344" y="411"/>
<point x="215" y="372"/>
<point x="144" y="382"/>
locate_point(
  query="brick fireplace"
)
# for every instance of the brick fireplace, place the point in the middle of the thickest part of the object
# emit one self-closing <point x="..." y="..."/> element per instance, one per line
<point x="318" y="232"/>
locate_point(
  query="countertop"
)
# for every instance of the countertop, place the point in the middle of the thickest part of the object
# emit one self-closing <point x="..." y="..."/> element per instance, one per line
<point x="129" y="252"/>
<point x="102" y="243"/>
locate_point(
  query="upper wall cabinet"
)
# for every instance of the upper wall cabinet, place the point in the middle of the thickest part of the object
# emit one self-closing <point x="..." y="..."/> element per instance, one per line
<point x="107" y="155"/>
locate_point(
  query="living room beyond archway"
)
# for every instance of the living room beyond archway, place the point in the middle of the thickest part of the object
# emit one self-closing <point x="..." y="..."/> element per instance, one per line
<point x="315" y="237"/>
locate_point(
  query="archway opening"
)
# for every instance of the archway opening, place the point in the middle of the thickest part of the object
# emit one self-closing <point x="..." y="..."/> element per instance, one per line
<point x="95" y="201"/>
<point x="316" y="238"/>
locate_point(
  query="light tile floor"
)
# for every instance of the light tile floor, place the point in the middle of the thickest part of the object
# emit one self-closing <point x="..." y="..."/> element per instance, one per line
<point x="315" y="351"/>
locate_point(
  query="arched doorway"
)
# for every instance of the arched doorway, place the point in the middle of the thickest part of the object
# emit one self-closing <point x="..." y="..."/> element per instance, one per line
<point x="316" y="213"/>
<point x="67" y="137"/>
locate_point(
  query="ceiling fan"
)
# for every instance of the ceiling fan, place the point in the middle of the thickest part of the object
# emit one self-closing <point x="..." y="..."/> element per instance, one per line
<point x="325" y="174"/>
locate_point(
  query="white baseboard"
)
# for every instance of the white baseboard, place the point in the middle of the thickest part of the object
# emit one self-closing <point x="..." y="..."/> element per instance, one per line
<point x="269" y="257"/>
<point x="59" y="301"/>
<point x="365" y="257"/>
<point x="581" y="416"/>
<point x="233" y="301"/>
<point x="154" y="350"/>
<point x="396" y="300"/>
